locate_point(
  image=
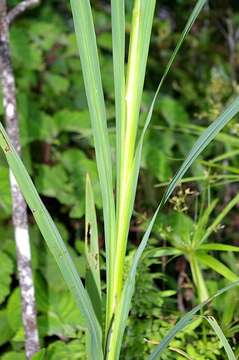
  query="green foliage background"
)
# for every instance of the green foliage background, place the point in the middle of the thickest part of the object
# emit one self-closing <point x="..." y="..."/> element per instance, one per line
<point x="58" y="151"/>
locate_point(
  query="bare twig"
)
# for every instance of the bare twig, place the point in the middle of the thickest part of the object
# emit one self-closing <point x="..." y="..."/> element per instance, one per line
<point x="19" y="206"/>
<point x="20" y="8"/>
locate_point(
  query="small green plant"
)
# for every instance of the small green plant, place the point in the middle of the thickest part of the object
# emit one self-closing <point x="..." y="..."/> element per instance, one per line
<point x="105" y="336"/>
<point x="189" y="238"/>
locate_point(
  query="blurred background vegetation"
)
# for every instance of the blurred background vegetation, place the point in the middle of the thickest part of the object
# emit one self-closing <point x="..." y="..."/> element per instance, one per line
<point x="58" y="151"/>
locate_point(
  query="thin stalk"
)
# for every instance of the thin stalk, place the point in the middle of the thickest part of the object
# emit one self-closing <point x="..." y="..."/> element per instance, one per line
<point x="198" y="278"/>
<point x="19" y="209"/>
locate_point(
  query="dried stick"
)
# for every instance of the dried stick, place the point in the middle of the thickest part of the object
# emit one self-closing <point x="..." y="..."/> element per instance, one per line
<point x="19" y="212"/>
<point x="20" y="8"/>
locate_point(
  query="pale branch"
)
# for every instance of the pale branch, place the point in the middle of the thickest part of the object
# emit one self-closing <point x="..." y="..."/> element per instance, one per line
<point x="19" y="209"/>
<point x="20" y="8"/>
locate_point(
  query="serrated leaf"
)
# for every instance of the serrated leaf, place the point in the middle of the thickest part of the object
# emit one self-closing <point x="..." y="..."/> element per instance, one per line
<point x="58" y="84"/>
<point x="53" y="181"/>
<point x="78" y="165"/>
<point x="74" y="350"/>
<point x="73" y="121"/>
<point x="13" y="355"/>
<point x="14" y="310"/>
<point x="59" y="314"/>
<point x="5" y="194"/>
<point x="172" y="110"/>
<point x="6" y="270"/>
<point x="44" y="33"/>
<point x="6" y="331"/>
<point x="62" y="317"/>
<point x="40" y="355"/>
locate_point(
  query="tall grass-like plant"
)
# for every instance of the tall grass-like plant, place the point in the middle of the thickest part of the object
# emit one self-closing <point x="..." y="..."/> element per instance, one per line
<point x="104" y="341"/>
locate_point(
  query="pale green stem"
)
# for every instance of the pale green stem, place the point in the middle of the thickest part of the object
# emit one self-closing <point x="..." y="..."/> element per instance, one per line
<point x="198" y="278"/>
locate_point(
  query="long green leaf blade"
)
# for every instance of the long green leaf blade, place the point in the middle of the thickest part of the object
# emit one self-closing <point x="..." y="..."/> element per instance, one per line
<point x="202" y="223"/>
<point x="86" y="40"/>
<point x="220" y="217"/>
<point x="118" y="37"/>
<point x="214" y="324"/>
<point x="55" y="243"/>
<point x="92" y="279"/>
<point x="217" y="266"/>
<point x="219" y="247"/>
<point x="184" y="321"/>
<point x="165" y="251"/>
<point x="181" y="352"/>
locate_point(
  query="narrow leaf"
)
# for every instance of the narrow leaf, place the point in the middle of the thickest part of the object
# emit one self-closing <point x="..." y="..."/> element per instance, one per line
<point x="212" y="321"/>
<point x="166" y="251"/>
<point x="54" y="242"/>
<point x="92" y="251"/>
<point x="184" y="321"/>
<point x="202" y="223"/>
<point x="217" y="266"/>
<point x="118" y="37"/>
<point x="220" y="217"/>
<point x="219" y="247"/>
<point x="86" y="40"/>
<point x="181" y="352"/>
